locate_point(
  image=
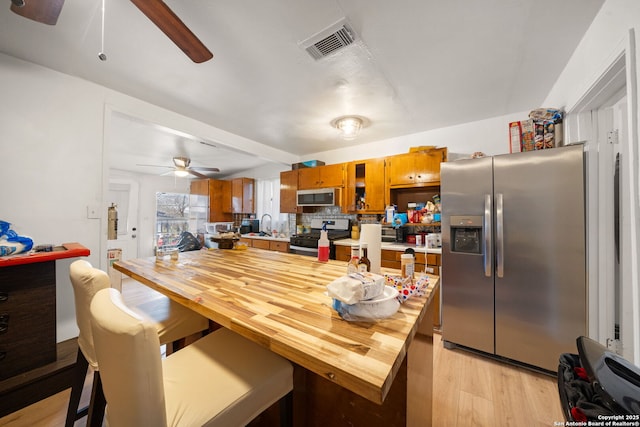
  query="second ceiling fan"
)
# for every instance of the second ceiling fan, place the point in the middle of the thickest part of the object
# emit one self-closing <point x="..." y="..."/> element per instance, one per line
<point x="181" y="167"/>
<point x="47" y="12"/>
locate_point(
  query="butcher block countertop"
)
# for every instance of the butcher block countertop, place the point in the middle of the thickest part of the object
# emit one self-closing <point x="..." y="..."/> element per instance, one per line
<point x="279" y="301"/>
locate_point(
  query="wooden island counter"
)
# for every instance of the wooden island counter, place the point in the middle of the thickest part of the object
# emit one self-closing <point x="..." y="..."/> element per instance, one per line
<point x="346" y="373"/>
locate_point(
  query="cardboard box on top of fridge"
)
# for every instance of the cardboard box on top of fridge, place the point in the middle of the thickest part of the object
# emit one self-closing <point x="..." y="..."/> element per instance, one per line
<point x="527" y="135"/>
<point x="542" y="130"/>
<point x="515" y="137"/>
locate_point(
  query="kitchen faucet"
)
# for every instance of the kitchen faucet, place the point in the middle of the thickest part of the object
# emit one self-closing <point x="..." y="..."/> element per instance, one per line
<point x="268" y="231"/>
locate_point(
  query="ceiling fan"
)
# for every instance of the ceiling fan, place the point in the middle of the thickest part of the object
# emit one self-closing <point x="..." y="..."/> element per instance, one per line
<point x="181" y="168"/>
<point x="47" y="12"/>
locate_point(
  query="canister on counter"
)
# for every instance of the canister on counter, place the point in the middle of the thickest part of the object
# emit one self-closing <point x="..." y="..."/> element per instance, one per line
<point x="355" y="232"/>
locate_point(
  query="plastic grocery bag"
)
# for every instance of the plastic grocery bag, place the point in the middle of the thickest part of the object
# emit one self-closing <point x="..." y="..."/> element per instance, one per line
<point x="188" y="242"/>
<point x="12" y="243"/>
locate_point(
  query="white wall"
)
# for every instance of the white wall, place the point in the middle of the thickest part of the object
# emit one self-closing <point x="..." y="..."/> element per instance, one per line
<point x="491" y="136"/>
<point x="52" y="140"/>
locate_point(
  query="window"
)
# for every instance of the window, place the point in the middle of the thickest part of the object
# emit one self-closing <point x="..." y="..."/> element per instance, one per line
<point x="172" y="217"/>
<point x="268" y="202"/>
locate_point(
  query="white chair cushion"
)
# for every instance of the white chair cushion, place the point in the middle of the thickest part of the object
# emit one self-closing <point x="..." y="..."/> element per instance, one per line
<point x="86" y="281"/>
<point x="173" y="320"/>
<point x="226" y="375"/>
<point x="222" y="379"/>
<point x="128" y="351"/>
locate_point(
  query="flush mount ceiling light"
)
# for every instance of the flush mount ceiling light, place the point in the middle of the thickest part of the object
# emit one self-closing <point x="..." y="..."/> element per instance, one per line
<point x="349" y="126"/>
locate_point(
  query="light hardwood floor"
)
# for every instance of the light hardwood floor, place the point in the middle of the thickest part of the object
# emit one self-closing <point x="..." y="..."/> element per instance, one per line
<point x="469" y="390"/>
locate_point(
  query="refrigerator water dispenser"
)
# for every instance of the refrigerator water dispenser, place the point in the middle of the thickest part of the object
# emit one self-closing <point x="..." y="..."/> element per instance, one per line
<point x="466" y="234"/>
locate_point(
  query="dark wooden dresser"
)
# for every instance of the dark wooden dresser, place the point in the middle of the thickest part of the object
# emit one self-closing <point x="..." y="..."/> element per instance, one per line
<point x="28" y="342"/>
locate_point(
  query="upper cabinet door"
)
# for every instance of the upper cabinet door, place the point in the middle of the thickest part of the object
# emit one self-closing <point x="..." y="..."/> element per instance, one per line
<point x="288" y="188"/>
<point x="242" y="195"/>
<point x="321" y="177"/>
<point x="365" y="190"/>
<point x="419" y="168"/>
<point x="400" y="169"/>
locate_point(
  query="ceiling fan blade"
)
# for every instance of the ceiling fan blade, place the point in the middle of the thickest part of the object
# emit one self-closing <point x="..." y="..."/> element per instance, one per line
<point x="198" y="174"/>
<point x="164" y="18"/>
<point x="205" y="169"/>
<point x="44" y="11"/>
<point x="155" y="166"/>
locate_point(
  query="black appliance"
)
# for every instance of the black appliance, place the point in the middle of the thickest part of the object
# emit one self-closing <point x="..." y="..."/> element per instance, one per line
<point x="598" y="385"/>
<point x="249" y="226"/>
<point x="307" y="243"/>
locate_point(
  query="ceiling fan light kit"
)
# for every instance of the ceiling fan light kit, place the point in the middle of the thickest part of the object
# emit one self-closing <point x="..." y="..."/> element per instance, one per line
<point x="43" y="11"/>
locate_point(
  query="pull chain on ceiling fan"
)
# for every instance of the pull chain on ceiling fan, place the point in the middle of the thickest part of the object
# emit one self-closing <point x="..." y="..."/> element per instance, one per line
<point x="102" y="56"/>
<point x="47" y="12"/>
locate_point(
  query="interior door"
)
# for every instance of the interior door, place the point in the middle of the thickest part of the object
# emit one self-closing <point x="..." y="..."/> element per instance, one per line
<point x="124" y="194"/>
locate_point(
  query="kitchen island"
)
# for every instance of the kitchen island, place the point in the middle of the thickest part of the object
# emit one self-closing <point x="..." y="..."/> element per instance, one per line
<point x="346" y="373"/>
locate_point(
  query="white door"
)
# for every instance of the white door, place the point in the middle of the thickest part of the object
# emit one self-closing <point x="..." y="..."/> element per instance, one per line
<point x="124" y="194"/>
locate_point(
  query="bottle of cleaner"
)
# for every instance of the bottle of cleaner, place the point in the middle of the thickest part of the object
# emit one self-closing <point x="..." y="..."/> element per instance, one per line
<point x="323" y="245"/>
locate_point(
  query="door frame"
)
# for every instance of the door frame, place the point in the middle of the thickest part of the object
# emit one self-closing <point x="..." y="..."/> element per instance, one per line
<point x="582" y="125"/>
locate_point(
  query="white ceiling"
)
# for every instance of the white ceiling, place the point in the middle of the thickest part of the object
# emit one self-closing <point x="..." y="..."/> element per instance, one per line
<point x="416" y="65"/>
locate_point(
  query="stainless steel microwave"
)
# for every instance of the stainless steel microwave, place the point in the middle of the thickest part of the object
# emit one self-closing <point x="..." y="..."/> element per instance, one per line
<point x="319" y="197"/>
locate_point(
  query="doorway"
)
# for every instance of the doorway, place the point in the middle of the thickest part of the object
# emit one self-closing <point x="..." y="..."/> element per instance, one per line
<point x="124" y="194"/>
<point x="603" y="119"/>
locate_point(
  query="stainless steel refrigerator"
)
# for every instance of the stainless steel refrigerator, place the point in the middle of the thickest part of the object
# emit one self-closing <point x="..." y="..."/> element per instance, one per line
<point x="513" y="254"/>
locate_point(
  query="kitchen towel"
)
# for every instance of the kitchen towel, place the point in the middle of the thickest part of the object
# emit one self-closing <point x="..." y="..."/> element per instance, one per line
<point x="371" y="234"/>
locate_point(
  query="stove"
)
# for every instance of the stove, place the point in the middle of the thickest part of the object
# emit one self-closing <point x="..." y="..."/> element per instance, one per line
<point x="307" y="243"/>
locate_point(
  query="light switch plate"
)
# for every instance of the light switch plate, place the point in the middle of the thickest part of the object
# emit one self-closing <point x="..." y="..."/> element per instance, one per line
<point x="93" y="211"/>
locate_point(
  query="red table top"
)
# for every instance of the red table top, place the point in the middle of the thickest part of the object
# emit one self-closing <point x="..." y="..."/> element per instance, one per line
<point x="65" y="250"/>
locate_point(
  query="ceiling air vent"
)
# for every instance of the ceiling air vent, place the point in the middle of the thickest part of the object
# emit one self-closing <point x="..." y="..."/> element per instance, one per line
<point x="329" y="40"/>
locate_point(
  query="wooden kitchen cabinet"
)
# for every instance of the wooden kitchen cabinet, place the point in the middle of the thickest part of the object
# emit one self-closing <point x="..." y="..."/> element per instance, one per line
<point x="242" y="195"/>
<point x="415" y="169"/>
<point x="327" y="176"/>
<point x="276" y="245"/>
<point x="432" y="262"/>
<point x="343" y="253"/>
<point x="288" y="188"/>
<point x="270" y="245"/>
<point x="365" y="189"/>
<point x="220" y="201"/>
<point x="260" y="244"/>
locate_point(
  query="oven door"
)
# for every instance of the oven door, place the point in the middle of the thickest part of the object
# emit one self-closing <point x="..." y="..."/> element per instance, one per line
<point x="302" y="250"/>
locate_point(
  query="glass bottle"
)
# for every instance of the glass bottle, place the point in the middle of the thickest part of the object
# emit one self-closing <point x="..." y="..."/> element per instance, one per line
<point x="352" y="267"/>
<point x="363" y="263"/>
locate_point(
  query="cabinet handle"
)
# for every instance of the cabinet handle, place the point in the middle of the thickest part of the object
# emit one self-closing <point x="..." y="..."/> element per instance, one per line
<point x="4" y="318"/>
<point x="4" y="296"/>
<point x="4" y="327"/>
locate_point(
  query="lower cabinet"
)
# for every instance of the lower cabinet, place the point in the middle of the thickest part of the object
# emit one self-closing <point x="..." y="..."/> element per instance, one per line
<point x="424" y="262"/>
<point x="270" y="245"/>
<point x="343" y="253"/>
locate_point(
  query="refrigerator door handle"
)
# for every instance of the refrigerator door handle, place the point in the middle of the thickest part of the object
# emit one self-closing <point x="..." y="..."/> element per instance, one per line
<point x="488" y="233"/>
<point x="499" y="236"/>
